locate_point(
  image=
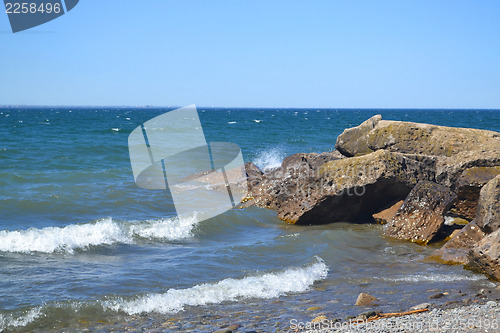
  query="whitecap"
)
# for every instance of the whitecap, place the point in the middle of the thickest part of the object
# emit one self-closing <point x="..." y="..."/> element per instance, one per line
<point x="115" y="129"/>
<point x="231" y="122"/>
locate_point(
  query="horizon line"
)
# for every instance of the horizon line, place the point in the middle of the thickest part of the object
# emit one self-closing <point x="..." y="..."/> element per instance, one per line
<point x="238" y="107"/>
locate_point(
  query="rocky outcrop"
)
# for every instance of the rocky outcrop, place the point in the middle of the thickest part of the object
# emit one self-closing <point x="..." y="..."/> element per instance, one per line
<point x="488" y="206"/>
<point x="414" y="138"/>
<point x="468" y="186"/>
<point x="485" y="256"/>
<point x="455" y="149"/>
<point x="421" y="216"/>
<point x="386" y="215"/>
<point x="342" y="189"/>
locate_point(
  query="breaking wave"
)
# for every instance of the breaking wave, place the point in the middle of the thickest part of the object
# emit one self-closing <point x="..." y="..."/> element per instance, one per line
<point x="268" y="285"/>
<point x="102" y="232"/>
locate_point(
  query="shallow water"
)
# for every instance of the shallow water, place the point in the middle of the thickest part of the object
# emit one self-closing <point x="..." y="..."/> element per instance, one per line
<point x="80" y="242"/>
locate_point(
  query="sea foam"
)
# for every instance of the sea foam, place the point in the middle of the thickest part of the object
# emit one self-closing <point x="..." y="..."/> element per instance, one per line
<point x="102" y="232"/>
<point x="269" y="158"/>
<point x="268" y="285"/>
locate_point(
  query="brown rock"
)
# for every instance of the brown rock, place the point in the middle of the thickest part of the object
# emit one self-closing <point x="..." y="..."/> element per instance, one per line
<point x="386" y="215"/>
<point x="341" y="190"/>
<point x="468" y="187"/>
<point x="488" y="206"/>
<point x="485" y="256"/>
<point x="365" y="299"/>
<point x="456" y="250"/>
<point x="456" y="149"/>
<point x="422" y="214"/>
<point x="413" y="138"/>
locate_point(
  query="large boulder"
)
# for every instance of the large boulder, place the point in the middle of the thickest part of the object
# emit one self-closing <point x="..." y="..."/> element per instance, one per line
<point x="456" y="149"/>
<point x="488" y="206"/>
<point x="468" y="186"/>
<point x="343" y="189"/>
<point x="414" y="138"/>
<point x="421" y="216"/>
<point x="485" y="256"/>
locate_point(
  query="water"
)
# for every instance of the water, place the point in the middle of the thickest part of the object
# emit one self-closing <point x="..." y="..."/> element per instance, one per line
<point x="79" y="241"/>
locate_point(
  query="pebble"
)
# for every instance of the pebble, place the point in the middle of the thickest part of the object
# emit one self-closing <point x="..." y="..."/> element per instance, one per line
<point x="421" y="306"/>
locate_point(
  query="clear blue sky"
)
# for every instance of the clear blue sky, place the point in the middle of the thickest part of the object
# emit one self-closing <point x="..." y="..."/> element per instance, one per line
<point x="395" y="54"/>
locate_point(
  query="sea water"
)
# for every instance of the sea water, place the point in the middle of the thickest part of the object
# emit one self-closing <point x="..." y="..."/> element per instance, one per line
<point x="80" y="242"/>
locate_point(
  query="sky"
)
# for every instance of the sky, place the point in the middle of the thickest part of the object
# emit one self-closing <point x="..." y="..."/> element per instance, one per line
<point x="258" y="53"/>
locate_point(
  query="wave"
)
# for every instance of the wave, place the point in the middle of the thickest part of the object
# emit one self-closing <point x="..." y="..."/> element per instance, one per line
<point x="268" y="285"/>
<point x="269" y="158"/>
<point x="102" y="232"/>
<point x="21" y="321"/>
<point x="436" y="278"/>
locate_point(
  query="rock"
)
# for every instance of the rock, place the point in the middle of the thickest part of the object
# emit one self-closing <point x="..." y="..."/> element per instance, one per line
<point x="436" y="296"/>
<point x="421" y="306"/>
<point x="352" y="141"/>
<point x="365" y="299"/>
<point x="368" y="314"/>
<point x="386" y="215"/>
<point x="414" y="138"/>
<point x="485" y="256"/>
<point x="341" y="190"/>
<point x="254" y="174"/>
<point x="456" y="250"/>
<point x="421" y="216"/>
<point x="488" y="206"/>
<point x="468" y="187"/>
<point x="319" y="319"/>
<point x="456" y="149"/>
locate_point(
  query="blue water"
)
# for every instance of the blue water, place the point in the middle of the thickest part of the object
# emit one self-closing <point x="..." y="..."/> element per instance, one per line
<point x="75" y="229"/>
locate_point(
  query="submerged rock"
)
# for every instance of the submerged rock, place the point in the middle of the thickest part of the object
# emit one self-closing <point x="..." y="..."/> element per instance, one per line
<point x="421" y="216"/>
<point x="365" y="299"/>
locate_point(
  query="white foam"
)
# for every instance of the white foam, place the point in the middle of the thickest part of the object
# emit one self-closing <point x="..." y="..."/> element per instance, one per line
<point x="103" y="232"/>
<point x="437" y="278"/>
<point x="257" y="121"/>
<point x="10" y="321"/>
<point x="231" y="122"/>
<point x="115" y="129"/>
<point x="269" y="285"/>
<point x="269" y="158"/>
